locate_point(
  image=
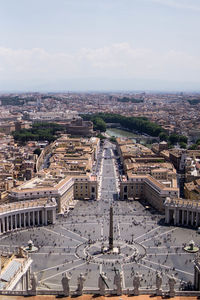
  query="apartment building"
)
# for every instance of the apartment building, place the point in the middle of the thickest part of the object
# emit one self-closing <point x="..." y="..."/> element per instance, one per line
<point x="63" y="188"/>
<point x="147" y="175"/>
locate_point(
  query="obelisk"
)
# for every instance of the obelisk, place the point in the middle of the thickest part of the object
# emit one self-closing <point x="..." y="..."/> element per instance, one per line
<point x="111" y="229"/>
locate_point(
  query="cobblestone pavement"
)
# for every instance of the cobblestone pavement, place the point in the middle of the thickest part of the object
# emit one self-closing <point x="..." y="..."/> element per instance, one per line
<point x="74" y="243"/>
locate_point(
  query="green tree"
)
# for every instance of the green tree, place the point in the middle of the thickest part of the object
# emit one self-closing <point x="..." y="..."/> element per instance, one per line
<point x="99" y="124"/>
<point x="183" y="145"/>
<point x="163" y="136"/>
<point x="183" y="138"/>
<point x="37" y="151"/>
<point x="173" y="138"/>
<point x="112" y="139"/>
<point x="193" y="147"/>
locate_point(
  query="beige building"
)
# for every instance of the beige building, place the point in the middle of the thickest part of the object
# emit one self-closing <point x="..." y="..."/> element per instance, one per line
<point x="147" y="175"/>
<point x="74" y="155"/>
<point x="192" y="190"/>
<point x="80" y="127"/>
<point x="85" y="187"/>
<point x="148" y="188"/>
<point x="55" y="184"/>
<point x="43" y="186"/>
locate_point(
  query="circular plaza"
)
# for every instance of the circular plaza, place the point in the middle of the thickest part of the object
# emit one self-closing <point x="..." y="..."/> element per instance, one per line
<point x="73" y="245"/>
<point x="76" y="243"/>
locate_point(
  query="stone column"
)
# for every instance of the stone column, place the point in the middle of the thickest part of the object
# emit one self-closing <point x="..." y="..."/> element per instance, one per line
<point x="183" y="214"/>
<point x="25" y="220"/>
<point x="175" y="216"/>
<point x="7" y="223"/>
<point x="43" y="213"/>
<point x="15" y="221"/>
<point x="20" y="220"/>
<point x="3" y="222"/>
<point x="11" y="222"/>
<point x="29" y="219"/>
<point x="45" y="217"/>
<point x="192" y="218"/>
<point x="187" y="217"/>
<point x="197" y="219"/>
<point x="38" y="217"/>
<point x="178" y="216"/>
<point x="33" y="218"/>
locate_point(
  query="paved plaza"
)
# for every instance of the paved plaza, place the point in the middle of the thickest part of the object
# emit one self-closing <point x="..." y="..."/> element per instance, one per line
<point x="74" y="243"/>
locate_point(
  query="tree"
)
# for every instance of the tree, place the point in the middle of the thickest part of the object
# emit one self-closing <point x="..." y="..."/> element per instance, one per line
<point x="183" y="145"/>
<point x="193" y="147"/>
<point x="140" y="124"/>
<point x="183" y="138"/>
<point x="99" y="124"/>
<point x="173" y="138"/>
<point x="113" y="139"/>
<point x="163" y="136"/>
<point x="37" y="151"/>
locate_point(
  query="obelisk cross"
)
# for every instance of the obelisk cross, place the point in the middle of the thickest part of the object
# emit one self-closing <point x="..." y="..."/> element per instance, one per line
<point x="111" y="229"/>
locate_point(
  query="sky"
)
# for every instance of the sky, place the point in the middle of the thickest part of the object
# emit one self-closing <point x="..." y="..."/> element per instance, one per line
<point x="102" y="45"/>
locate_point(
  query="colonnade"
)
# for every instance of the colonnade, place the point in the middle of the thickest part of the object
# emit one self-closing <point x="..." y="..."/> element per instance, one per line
<point x="182" y="212"/>
<point x="26" y="218"/>
<point x="183" y="217"/>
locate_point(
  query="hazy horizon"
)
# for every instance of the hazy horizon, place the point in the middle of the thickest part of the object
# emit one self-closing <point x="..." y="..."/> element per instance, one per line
<point x="89" y="45"/>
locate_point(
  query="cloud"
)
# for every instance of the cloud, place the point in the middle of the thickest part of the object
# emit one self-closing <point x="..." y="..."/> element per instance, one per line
<point x="113" y="61"/>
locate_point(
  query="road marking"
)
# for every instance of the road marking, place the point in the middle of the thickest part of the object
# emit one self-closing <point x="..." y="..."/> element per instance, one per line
<point x="63" y="247"/>
<point x="118" y="228"/>
<point x="60" y="234"/>
<point x="102" y="229"/>
<point x="146" y="233"/>
<point x="50" y="268"/>
<point x="73" y="233"/>
<point x="160" y="234"/>
<point x="100" y="268"/>
<point x="52" y="253"/>
<point x="164" y="247"/>
<point x="167" y="267"/>
<point x="62" y="272"/>
<point x="170" y="253"/>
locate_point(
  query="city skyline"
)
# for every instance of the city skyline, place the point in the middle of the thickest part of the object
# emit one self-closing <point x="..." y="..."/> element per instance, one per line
<point x="149" y="45"/>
